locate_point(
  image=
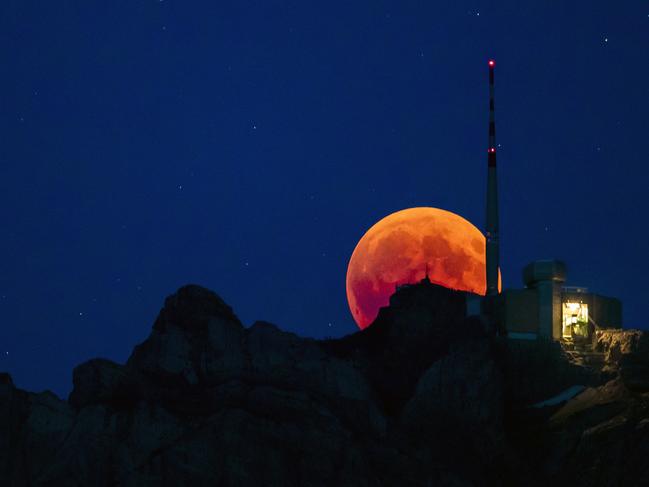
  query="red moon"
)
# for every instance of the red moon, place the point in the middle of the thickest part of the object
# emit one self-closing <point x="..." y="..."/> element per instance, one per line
<point x="397" y="249"/>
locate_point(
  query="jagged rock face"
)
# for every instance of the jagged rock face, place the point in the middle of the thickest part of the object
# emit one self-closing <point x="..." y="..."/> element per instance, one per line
<point x="415" y="399"/>
<point x="599" y="438"/>
<point x="627" y="352"/>
<point x="32" y="428"/>
<point x="539" y="369"/>
<point x="205" y="400"/>
<point x="196" y="337"/>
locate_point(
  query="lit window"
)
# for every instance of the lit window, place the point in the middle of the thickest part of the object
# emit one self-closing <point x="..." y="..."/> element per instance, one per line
<point x="575" y="319"/>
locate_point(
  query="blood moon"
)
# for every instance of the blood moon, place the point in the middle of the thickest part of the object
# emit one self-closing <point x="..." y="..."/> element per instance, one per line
<point x="397" y="249"/>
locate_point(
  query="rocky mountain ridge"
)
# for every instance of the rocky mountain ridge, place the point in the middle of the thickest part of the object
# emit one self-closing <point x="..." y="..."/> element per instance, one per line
<point x="422" y="397"/>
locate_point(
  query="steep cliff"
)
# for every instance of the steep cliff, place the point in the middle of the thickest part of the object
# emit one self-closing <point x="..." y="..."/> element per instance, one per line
<point x="422" y="397"/>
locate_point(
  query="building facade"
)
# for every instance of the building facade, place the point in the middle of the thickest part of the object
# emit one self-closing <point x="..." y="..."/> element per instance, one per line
<point x="546" y="308"/>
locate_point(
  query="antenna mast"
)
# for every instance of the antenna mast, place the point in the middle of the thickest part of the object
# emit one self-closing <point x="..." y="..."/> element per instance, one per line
<point x="492" y="227"/>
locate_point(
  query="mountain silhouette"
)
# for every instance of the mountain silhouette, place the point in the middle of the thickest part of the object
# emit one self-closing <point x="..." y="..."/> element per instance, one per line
<point x="424" y="396"/>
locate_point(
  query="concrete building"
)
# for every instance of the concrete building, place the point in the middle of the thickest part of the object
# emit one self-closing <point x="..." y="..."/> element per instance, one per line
<point x="546" y="308"/>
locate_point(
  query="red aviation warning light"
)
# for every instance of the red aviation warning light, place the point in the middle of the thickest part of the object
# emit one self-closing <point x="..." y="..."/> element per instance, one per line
<point x="491" y="228"/>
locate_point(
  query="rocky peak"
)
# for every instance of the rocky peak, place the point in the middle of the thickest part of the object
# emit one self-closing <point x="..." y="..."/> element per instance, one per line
<point x="422" y="323"/>
<point x="193" y="337"/>
<point x="191" y="307"/>
<point x="5" y="379"/>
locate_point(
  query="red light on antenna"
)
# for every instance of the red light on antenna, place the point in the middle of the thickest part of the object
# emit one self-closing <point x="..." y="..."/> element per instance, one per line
<point x="492" y="63"/>
<point x="492" y="149"/>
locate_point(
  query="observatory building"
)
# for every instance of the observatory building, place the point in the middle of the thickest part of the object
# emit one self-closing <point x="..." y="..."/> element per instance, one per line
<point x="545" y="308"/>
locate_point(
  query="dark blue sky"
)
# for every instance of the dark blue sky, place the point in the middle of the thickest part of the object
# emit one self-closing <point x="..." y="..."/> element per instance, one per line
<point x="247" y="146"/>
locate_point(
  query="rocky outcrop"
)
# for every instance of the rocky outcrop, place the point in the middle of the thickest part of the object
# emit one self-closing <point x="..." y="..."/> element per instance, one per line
<point x="627" y="353"/>
<point x="422" y="397"/>
<point x="32" y="428"/>
<point x="540" y="369"/>
<point x="600" y="437"/>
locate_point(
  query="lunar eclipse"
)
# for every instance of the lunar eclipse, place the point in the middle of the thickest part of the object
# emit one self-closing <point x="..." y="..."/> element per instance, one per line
<point x="398" y="249"/>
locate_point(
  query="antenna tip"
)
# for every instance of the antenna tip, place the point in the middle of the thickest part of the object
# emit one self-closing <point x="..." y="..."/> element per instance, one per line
<point x="492" y="63"/>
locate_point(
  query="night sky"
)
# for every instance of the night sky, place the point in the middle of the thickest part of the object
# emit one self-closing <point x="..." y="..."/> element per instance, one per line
<point x="247" y="146"/>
